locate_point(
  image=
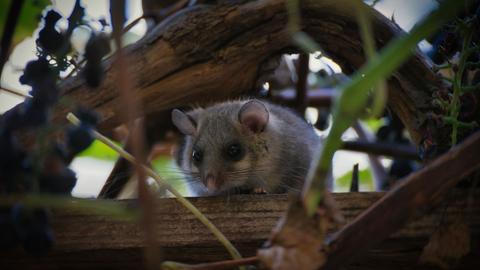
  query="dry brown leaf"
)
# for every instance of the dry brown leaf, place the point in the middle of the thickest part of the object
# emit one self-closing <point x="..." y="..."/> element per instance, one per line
<point x="297" y="241"/>
<point x="447" y="245"/>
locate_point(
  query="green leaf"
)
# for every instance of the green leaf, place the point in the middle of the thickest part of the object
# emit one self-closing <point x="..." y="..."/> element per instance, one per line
<point x="100" y="151"/>
<point x="29" y="18"/>
<point x="166" y="167"/>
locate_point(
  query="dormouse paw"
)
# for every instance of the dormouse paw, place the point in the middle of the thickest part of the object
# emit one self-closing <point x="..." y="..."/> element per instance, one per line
<point x="259" y="190"/>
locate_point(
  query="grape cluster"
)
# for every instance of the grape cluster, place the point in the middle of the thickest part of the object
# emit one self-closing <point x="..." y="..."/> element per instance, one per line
<point x="42" y="166"/>
<point x="448" y="41"/>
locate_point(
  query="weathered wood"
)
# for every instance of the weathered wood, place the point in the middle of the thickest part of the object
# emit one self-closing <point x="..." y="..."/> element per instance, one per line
<point x="418" y="192"/>
<point x="97" y="242"/>
<point x="211" y="52"/>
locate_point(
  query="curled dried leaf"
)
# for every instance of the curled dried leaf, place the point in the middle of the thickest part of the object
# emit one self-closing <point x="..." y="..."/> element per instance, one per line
<point x="297" y="242"/>
<point x="447" y="245"/>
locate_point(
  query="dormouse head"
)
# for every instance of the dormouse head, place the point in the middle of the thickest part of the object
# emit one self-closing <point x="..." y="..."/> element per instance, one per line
<point x="224" y="143"/>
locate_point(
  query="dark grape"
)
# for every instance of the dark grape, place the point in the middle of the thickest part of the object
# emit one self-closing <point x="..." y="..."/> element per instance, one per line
<point x="43" y="168"/>
<point x="35" y="71"/>
<point x="468" y="107"/>
<point x="59" y="151"/>
<point x="97" y="47"/>
<point x="323" y="119"/>
<point x="11" y="155"/>
<point x="39" y="240"/>
<point x="401" y="168"/>
<point x="45" y="92"/>
<point x="8" y="236"/>
<point x="52" y="18"/>
<point x="88" y="117"/>
<point x="79" y="138"/>
<point x="50" y="40"/>
<point x="32" y="229"/>
<point x="76" y="16"/>
<point x="35" y="113"/>
<point x="93" y="74"/>
<point x="59" y="183"/>
<point x="383" y="133"/>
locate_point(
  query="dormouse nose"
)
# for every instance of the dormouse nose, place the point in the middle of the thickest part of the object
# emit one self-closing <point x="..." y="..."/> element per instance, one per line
<point x="210" y="182"/>
<point x="213" y="181"/>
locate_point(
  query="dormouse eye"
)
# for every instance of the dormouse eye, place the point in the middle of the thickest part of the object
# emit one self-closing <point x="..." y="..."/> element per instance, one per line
<point x="197" y="156"/>
<point x="234" y="152"/>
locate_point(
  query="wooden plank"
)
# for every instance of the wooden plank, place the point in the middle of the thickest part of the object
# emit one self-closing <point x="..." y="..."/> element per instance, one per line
<point x="98" y="242"/>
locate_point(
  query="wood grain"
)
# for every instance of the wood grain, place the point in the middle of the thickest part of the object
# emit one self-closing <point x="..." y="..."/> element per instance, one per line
<point x="96" y="242"/>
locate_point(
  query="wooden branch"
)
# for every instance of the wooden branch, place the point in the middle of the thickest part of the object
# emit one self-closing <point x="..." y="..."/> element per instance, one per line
<point x="382" y="149"/>
<point x="84" y="240"/>
<point x="315" y="97"/>
<point x="301" y="98"/>
<point x="354" y="182"/>
<point x="418" y="192"/>
<point x="209" y="53"/>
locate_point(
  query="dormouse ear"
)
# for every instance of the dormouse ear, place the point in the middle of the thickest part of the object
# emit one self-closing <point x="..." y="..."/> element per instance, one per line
<point x="184" y="122"/>
<point x="254" y="115"/>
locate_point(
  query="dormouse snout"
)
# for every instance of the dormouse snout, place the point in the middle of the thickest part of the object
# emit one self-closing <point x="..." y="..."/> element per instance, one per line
<point x="213" y="182"/>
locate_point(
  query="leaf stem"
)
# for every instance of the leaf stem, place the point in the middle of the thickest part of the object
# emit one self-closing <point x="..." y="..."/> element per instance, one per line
<point x="187" y="204"/>
<point x="457" y="84"/>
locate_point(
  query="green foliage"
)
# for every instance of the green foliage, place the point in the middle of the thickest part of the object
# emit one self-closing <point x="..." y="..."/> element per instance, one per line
<point x="99" y="207"/>
<point x="374" y="124"/>
<point x="99" y="150"/>
<point x="165" y="166"/>
<point x="468" y="31"/>
<point x="29" y="18"/>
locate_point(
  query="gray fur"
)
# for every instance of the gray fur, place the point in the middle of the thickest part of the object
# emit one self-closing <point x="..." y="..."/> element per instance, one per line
<point x="276" y="159"/>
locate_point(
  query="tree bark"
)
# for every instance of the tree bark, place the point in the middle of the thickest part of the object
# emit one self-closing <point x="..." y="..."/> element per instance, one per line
<point x="207" y="53"/>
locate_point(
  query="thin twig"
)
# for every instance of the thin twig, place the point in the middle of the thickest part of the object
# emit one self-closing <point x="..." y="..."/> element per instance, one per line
<point x="16" y="93"/>
<point x="354" y="183"/>
<point x="222" y="265"/>
<point x="130" y="111"/>
<point x="9" y="30"/>
<point x="76" y="67"/>
<point x="382" y="149"/>
<point x="322" y="97"/>
<point x="379" y="173"/>
<point x="302" y="74"/>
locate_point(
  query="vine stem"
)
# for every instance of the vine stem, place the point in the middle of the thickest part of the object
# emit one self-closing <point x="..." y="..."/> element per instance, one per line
<point x="457" y="85"/>
<point x="187" y="204"/>
<point x="354" y="96"/>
